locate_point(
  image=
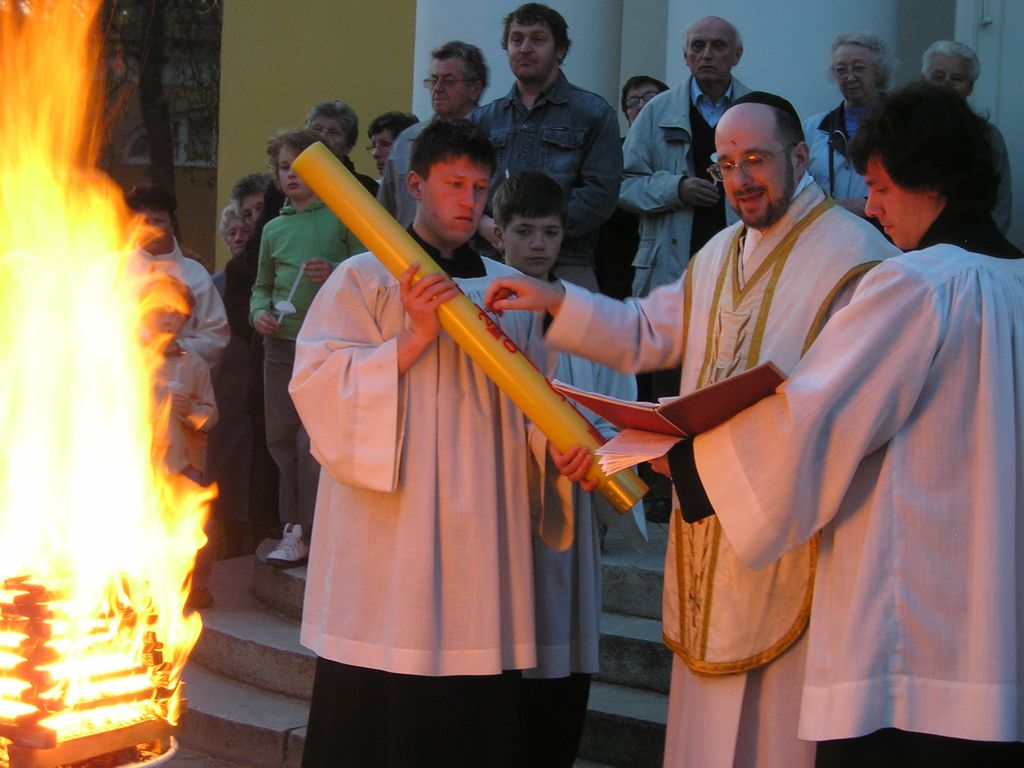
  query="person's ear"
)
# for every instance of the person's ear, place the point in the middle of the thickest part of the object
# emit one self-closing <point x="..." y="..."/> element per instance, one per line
<point x="414" y="182"/>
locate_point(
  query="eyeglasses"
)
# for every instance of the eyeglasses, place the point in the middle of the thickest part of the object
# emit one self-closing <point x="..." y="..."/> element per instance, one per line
<point x="939" y="78"/>
<point x="749" y="164"/>
<point x="842" y="71"/>
<point x="446" y="82"/>
<point x="380" y="146"/>
<point x="633" y="101"/>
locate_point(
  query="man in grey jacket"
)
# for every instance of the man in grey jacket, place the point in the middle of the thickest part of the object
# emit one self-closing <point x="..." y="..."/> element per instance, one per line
<point x="667" y="152"/>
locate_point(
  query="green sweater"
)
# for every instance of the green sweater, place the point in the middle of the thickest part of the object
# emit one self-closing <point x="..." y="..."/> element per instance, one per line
<point x="289" y="241"/>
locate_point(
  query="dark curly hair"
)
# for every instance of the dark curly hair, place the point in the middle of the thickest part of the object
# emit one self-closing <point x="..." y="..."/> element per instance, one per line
<point x="928" y="139"/>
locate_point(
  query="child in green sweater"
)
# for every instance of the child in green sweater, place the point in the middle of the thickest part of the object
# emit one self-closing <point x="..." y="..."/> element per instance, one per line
<point x="298" y="250"/>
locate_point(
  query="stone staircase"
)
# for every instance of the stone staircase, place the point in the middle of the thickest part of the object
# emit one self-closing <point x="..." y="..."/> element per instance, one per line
<point x="249" y="680"/>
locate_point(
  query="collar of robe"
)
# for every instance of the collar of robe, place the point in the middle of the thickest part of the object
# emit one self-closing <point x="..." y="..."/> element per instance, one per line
<point x="465" y="262"/>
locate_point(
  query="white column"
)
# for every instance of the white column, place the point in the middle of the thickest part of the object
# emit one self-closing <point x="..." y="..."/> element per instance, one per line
<point x="595" y="28"/>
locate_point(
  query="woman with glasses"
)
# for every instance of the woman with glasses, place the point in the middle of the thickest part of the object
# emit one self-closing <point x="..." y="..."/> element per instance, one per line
<point x="861" y="66"/>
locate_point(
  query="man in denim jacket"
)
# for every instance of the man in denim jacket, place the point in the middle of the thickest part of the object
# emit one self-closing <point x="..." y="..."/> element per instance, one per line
<point x="547" y="124"/>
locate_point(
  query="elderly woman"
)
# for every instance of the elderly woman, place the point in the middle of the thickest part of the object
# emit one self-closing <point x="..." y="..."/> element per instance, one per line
<point x="233" y="230"/>
<point x="956" y="66"/>
<point x="861" y="66"/>
<point x="338" y="126"/>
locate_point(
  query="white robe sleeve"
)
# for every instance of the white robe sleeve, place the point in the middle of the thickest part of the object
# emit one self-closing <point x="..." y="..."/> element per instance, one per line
<point x="635" y="335"/>
<point x="781" y="470"/>
<point x="346" y="355"/>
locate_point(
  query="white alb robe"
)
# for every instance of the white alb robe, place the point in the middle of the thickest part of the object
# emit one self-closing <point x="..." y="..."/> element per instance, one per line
<point x="900" y="436"/>
<point x="420" y="560"/>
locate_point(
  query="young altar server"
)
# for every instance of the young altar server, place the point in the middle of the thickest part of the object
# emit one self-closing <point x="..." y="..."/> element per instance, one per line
<point x="530" y="217"/>
<point x="419" y="595"/>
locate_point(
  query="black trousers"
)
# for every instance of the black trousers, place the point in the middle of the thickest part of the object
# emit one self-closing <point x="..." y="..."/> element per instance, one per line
<point x="366" y="718"/>
<point x="555" y="712"/>
<point x="893" y="748"/>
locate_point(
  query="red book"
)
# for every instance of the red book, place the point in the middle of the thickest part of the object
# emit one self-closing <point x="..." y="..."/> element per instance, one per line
<point x="687" y="415"/>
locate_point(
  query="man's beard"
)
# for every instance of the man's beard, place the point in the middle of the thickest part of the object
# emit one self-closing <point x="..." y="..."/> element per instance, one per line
<point x="776" y="208"/>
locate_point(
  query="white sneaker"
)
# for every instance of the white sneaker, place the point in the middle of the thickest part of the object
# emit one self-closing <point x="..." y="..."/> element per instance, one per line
<point x="291" y="550"/>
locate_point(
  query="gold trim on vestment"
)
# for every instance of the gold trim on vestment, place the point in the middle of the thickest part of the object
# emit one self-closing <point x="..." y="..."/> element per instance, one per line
<point x="696" y="584"/>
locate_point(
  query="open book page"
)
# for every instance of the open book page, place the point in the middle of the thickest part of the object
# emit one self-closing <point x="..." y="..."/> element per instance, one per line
<point x="624" y="414"/>
<point x="632" y="446"/>
<point x="687" y="415"/>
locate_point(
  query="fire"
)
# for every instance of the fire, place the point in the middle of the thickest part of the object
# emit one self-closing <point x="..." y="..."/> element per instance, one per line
<point x="96" y="539"/>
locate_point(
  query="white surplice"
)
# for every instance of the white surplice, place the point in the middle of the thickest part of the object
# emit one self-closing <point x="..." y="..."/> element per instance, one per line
<point x="900" y="436"/>
<point x="421" y="555"/>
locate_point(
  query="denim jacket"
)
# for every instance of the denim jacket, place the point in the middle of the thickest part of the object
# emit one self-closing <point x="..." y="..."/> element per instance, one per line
<point x="571" y="135"/>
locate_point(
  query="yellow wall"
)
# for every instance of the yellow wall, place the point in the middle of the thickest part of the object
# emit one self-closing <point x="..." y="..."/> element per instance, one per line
<point x="280" y="58"/>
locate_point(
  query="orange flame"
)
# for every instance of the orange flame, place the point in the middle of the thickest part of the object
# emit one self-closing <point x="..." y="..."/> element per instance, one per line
<point x="84" y="511"/>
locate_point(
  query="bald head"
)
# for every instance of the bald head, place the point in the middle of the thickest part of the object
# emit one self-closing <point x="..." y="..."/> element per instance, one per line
<point x="759" y="162"/>
<point x="713" y="48"/>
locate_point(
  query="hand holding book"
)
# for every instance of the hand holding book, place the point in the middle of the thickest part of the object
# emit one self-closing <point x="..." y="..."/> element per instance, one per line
<point x="650" y="429"/>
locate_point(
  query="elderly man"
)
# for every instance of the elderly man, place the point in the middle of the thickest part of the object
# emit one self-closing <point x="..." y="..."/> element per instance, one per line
<point x="758" y="291"/>
<point x="546" y="124"/>
<point x="667" y="151"/>
<point x="956" y="66"/>
<point x="458" y="75"/>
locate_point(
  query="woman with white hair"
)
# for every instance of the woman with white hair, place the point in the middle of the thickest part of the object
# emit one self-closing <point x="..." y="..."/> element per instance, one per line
<point x="861" y="66"/>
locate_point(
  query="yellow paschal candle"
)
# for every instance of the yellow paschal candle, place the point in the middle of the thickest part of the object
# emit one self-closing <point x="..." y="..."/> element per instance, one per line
<point x="469" y="325"/>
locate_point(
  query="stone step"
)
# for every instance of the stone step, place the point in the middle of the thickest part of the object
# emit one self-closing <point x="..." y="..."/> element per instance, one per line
<point x="244" y="640"/>
<point x="625" y="727"/>
<point x="279" y="588"/>
<point x="631" y="581"/>
<point x="633" y="653"/>
<point x="241" y="724"/>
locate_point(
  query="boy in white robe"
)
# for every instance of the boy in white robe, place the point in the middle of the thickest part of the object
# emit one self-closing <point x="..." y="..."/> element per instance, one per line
<point x="419" y="595"/>
<point x="530" y="218"/>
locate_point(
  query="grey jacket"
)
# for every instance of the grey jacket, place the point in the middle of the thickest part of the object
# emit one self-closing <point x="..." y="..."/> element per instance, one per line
<point x="658" y="153"/>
